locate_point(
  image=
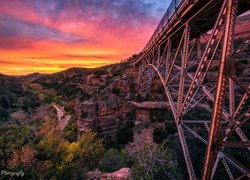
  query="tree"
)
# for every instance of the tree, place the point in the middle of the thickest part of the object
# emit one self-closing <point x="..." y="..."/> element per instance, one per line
<point x="90" y="150"/>
<point x="24" y="157"/>
<point x="4" y="114"/>
<point x="30" y="101"/>
<point x="154" y="163"/>
<point x="159" y="135"/>
<point x="170" y="128"/>
<point x="81" y="157"/>
<point x="125" y="134"/>
<point x="112" y="160"/>
<point x="6" y="133"/>
<point x="70" y="131"/>
<point x="53" y="148"/>
<point x="4" y="101"/>
<point x="12" y="138"/>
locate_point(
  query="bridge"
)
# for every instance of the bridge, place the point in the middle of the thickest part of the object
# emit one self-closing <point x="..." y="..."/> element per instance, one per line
<point x="194" y="54"/>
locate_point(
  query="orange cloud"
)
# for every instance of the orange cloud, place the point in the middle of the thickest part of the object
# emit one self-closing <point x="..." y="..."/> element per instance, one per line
<point x="47" y="36"/>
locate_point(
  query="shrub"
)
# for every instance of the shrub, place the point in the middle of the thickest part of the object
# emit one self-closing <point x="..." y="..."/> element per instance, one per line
<point x="4" y="101"/>
<point x="112" y="160"/>
<point x="170" y="128"/>
<point x="125" y="134"/>
<point x="30" y="101"/>
<point x="4" y="114"/>
<point x="244" y="61"/>
<point x="71" y="131"/>
<point x="161" y="166"/>
<point x="116" y="91"/>
<point x="90" y="150"/>
<point x="161" y="116"/>
<point x="159" y="135"/>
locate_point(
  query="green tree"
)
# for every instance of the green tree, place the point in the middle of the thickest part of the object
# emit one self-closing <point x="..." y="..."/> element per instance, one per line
<point x="125" y="134"/>
<point x="112" y="160"/>
<point x="159" y="135"/>
<point x="90" y="150"/>
<point x="170" y="128"/>
<point x="30" y="101"/>
<point x="52" y="148"/>
<point x="12" y="138"/>
<point x="4" y="101"/>
<point x="81" y="157"/>
<point x="6" y="136"/>
<point x="70" y="131"/>
<point x="4" y="114"/>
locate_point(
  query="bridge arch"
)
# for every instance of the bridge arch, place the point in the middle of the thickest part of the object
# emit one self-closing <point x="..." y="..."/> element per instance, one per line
<point x="159" y="73"/>
<point x="228" y="110"/>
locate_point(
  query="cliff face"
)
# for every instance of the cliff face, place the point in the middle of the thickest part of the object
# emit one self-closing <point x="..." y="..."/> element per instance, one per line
<point x="108" y="110"/>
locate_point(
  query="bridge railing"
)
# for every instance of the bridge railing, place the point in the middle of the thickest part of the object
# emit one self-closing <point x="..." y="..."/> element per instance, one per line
<point x="172" y="8"/>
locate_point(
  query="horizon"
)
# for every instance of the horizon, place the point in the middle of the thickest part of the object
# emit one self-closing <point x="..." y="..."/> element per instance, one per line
<point x="51" y="36"/>
<point x="90" y="68"/>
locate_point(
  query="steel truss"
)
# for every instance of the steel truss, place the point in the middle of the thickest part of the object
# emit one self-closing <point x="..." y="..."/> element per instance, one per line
<point x="186" y="73"/>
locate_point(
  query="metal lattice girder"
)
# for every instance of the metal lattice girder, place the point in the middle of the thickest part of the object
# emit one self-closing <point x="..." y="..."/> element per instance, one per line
<point x="210" y="44"/>
<point x="184" y="58"/>
<point x="214" y="139"/>
<point x="172" y="55"/>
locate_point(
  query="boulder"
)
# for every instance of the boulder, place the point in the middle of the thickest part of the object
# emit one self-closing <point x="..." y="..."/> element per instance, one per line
<point x="122" y="174"/>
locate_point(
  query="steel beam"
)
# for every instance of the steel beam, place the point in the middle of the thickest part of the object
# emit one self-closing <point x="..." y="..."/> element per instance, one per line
<point x="214" y="138"/>
<point x="211" y="42"/>
<point x="184" y="58"/>
<point x="175" y="56"/>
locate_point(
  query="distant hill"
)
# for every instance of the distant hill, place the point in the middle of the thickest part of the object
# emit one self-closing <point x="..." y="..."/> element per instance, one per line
<point x="31" y="77"/>
<point x="8" y="81"/>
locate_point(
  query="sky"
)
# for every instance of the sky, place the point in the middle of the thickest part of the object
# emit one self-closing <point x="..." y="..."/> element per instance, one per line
<point x="47" y="36"/>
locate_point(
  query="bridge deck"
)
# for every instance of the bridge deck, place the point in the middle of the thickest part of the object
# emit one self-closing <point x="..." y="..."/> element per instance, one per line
<point x="201" y="12"/>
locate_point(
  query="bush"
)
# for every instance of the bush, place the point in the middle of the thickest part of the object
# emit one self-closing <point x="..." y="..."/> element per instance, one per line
<point x="159" y="135"/>
<point x="4" y="114"/>
<point x="4" y="101"/>
<point x="112" y="160"/>
<point x="161" y="116"/>
<point x="170" y="128"/>
<point x="30" y="101"/>
<point x="161" y="166"/>
<point x="71" y="131"/>
<point x="116" y="91"/>
<point x="244" y="61"/>
<point x="197" y="114"/>
<point x="90" y="150"/>
<point x="125" y="134"/>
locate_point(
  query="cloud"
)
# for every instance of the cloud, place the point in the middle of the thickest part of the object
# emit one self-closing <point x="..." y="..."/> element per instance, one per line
<point x="62" y="57"/>
<point x="66" y="33"/>
<point x="13" y="27"/>
<point x="11" y="43"/>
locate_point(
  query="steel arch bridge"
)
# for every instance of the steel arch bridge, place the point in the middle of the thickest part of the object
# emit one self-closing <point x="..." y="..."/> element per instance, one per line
<point x="201" y="72"/>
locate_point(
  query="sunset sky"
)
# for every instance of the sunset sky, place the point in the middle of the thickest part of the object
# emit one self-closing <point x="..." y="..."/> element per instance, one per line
<point x="47" y="36"/>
